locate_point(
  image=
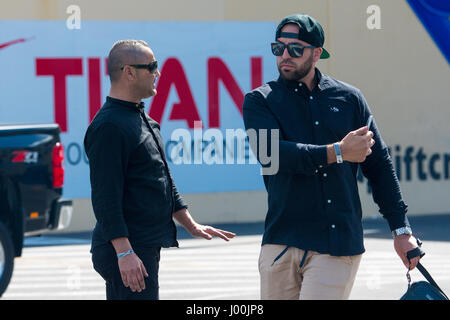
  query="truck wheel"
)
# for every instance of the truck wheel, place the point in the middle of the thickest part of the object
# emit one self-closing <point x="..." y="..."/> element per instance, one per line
<point x="6" y="258"/>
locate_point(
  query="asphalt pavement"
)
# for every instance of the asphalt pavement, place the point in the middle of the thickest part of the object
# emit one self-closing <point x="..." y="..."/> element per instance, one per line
<point x="58" y="267"/>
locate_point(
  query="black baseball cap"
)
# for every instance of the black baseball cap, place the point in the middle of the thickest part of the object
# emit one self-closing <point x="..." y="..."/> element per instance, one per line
<point x="310" y="31"/>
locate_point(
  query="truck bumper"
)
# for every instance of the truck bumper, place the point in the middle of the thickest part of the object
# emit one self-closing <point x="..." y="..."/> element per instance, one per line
<point x="62" y="214"/>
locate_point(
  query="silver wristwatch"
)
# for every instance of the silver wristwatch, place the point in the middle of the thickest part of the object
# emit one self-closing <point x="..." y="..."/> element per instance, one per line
<point x="402" y="230"/>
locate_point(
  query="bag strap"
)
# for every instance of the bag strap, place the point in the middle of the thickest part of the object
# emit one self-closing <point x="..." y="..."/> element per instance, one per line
<point x="418" y="252"/>
<point x="427" y="276"/>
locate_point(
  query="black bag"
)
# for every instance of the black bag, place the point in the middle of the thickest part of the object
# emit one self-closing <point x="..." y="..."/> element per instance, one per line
<point x="422" y="290"/>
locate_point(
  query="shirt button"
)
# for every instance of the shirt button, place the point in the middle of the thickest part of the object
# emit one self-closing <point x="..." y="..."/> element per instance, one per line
<point x="316" y="123"/>
<point x="296" y="89"/>
<point x="300" y="84"/>
<point x="329" y="201"/>
<point x="333" y="226"/>
<point x="311" y="97"/>
<point x="317" y="170"/>
<point x="320" y="166"/>
<point x="325" y="175"/>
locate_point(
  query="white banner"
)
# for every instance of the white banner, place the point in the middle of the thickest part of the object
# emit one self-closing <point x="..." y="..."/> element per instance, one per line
<point x="51" y="73"/>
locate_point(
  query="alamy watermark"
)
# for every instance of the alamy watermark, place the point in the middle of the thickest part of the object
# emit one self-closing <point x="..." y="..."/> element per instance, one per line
<point x="74" y="19"/>
<point x="374" y="20"/>
<point x="211" y="147"/>
<point x="73" y="281"/>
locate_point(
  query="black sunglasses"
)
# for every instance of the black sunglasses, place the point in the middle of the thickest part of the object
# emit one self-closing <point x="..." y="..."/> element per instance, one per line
<point x="295" y="49"/>
<point x="152" y="66"/>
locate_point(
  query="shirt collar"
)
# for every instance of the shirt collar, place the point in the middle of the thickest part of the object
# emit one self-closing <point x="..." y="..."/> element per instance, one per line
<point x="139" y="106"/>
<point x="321" y="83"/>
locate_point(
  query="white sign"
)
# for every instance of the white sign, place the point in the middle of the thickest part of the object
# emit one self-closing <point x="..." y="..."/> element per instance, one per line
<point x="52" y="74"/>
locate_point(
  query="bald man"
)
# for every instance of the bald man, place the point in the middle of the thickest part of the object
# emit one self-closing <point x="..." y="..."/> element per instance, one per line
<point x="134" y="196"/>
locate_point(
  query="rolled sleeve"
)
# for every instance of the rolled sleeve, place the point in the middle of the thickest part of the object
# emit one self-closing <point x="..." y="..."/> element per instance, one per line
<point x="177" y="198"/>
<point x="318" y="155"/>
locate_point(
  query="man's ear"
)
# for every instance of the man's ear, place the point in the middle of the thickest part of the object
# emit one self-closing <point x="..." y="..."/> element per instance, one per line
<point x="130" y="73"/>
<point x="317" y="54"/>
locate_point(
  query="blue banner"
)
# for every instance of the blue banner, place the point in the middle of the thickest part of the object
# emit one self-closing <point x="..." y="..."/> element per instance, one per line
<point x="435" y="17"/>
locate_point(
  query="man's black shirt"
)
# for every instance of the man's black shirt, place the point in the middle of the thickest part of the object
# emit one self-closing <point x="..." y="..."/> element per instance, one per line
<point x="133" y="194"/>
<point x="313" y="205"/>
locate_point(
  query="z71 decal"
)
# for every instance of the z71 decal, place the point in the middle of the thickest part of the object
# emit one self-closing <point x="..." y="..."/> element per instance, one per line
<point x="25" y="157"/>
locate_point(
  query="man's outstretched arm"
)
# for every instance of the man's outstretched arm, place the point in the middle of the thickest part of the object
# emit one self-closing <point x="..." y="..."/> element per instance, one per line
<point x="198" y="230"/>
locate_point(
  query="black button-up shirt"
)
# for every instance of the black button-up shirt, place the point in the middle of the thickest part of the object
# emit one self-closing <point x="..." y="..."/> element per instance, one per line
<point x="313" y="205"/>
<point x="133" y="194"/>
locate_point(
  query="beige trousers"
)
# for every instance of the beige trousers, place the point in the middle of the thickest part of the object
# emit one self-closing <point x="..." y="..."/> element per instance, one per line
<point x="289" y="274"/>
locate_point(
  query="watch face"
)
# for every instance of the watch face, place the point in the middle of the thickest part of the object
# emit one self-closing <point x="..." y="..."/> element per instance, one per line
<point x="404" y="230"/>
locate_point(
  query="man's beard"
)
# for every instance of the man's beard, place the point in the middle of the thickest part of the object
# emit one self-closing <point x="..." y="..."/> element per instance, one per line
<point x="297" y="73"/>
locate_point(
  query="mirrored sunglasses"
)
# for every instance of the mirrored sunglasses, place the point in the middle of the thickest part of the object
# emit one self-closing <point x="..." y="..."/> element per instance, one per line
<point x="295" y="50"/>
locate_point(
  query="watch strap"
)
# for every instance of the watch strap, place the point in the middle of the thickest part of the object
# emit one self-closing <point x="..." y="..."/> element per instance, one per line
<point x="402" y="230"/>
<point x="337" y="150"/>
<point x="123" y="254"/>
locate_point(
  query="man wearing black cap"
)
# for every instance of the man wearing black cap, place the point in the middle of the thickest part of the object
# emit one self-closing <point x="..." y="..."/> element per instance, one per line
<point x="313" y="239"/>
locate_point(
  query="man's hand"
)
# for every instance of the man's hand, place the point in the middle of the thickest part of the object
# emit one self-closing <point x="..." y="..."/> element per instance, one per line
<point x="404" y="243"/>
<point x="208" y="232"/>
<point x="355" y="146"/>
<point x="133" y="272"/>
<point x="197" y="230"/>
<point x="131" y="267"/>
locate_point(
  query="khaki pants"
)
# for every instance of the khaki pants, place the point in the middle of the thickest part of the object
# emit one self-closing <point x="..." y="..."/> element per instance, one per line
<point x="289" y="274"/>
